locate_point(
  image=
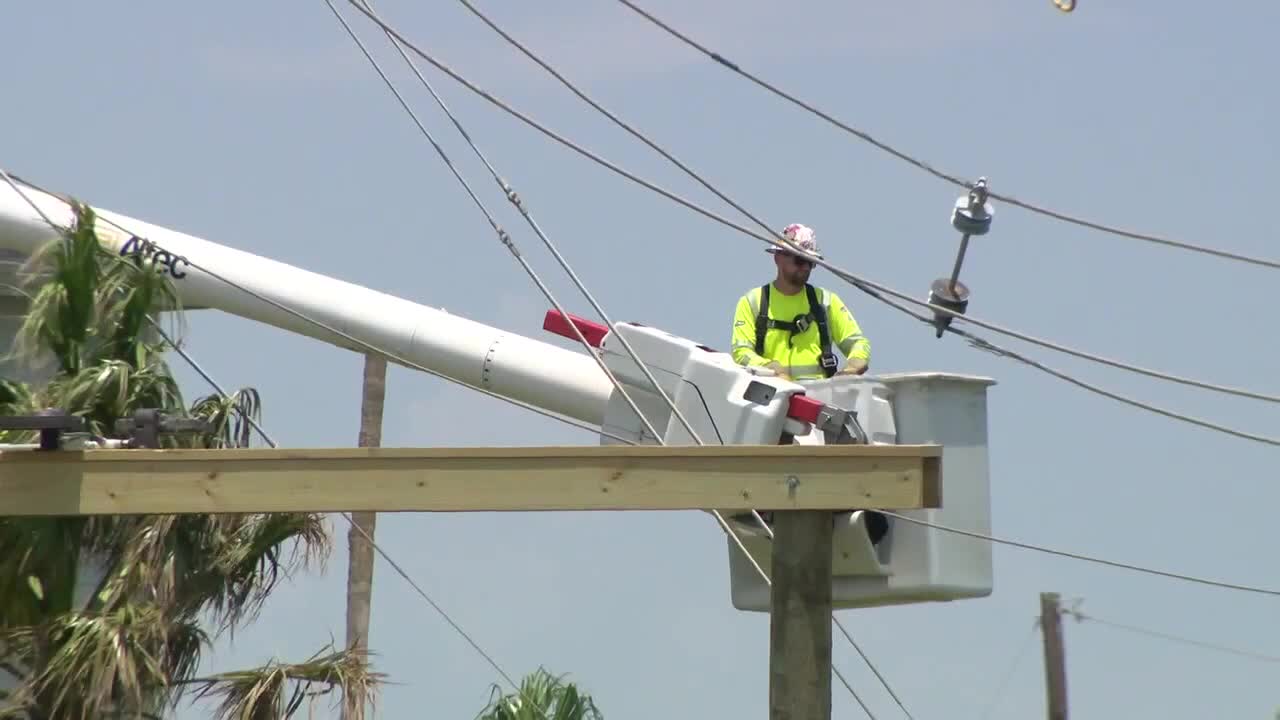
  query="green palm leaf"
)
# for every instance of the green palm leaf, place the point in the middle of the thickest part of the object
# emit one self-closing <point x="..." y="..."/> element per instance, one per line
<point x="541" y="696"/>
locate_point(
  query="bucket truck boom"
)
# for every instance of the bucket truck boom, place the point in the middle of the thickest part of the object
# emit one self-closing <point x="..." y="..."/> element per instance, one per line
<point x="544" y="375"/>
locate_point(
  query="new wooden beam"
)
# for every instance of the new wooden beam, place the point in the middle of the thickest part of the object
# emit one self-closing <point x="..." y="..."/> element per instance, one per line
<point x="616" y="477"/>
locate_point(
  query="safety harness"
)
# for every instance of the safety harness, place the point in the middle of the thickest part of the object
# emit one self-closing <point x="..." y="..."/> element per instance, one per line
<point x="817" y="313"/>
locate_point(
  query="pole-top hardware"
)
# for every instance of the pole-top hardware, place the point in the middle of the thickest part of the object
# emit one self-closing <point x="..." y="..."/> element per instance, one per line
<point x="51" y="422"/>
<point x="147" y="424"/>
<point x="971" y="215"/>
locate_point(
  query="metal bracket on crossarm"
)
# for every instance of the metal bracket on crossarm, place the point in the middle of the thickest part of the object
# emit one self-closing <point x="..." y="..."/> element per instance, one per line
<point x="51" y="422"/>
<point x="146" y="426"/>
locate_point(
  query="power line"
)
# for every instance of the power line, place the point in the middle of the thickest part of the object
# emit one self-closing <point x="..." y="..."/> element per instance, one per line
<point x="909" y="519"/>
<point x="1003" y="685"/>
<point x="937" y="526"/>
<point x="6" y="176"/>
<point x="767" y="228"/>
<point x="859" y="282"/>
<point x="760" y="520"/>
<point x="511" y="195"/>
<point x="503" y="236"/>
<point x="515" y="200"/>
<point x="862" y="284"/>
<point x="9" y="179"/>
<point x="721" y="60"/>
<point x="1203" y="644"/>
<point x="1079" y="556"/>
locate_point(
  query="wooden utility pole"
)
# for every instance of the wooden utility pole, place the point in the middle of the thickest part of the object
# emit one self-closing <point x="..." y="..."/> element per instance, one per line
<point x="1055" y="664"/>
<point x="360" y="548"/>
<point x="800" y="616"/>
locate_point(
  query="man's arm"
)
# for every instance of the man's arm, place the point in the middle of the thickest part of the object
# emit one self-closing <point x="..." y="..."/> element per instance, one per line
<point x="847" y="335"/>
<point x="744" y="337"/>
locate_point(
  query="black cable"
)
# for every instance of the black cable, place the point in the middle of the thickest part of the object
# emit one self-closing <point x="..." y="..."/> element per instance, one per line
<point x="862" y="284"/>
<point x="721" y="60"/>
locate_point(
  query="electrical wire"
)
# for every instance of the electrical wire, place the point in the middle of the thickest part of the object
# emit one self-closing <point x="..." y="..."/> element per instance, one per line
<point x="714" y="216"/>
<point x="862" y="284"/>
<point x="513" y="197"/>
<point x="990" y="538"/>
<point x="271" y="442"/>
<point x="1079" y="556"/>
<point x="725" y="62"/>
<point x="724" y="524"/>
<point x="674" y="160"/>
<point x="515" y="200"/>
<point x="849" y="277"/>
<point x="853" y="279"/>
<point x="767" y="228"/>
<point x="1003" y="685"/>
<point x="503" y="236"/>
<point x="1203" y="644"/>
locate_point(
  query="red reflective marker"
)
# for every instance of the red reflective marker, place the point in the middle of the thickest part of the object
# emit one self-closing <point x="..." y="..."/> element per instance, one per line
<point x="804" y="408"/>
<point x="563" y="324"/>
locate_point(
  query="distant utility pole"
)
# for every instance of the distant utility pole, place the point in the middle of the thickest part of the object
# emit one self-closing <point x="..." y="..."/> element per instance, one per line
<point x="360" y="548"/>
<point x="1055" y="663"/>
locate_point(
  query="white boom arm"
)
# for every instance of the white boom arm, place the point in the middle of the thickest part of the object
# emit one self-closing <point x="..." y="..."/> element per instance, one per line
<point x="546" y="376"/>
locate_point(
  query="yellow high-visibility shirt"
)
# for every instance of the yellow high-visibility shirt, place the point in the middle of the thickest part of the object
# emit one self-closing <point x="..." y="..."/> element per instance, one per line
<point x="798" y="354"/>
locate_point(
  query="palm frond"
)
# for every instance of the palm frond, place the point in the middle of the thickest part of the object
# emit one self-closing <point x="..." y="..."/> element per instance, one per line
<point x="541" y="696"/>
<point x="16" y="398"/>
<point x="132" y="292"/>
<point x="38" y="561"/>
<point x="234" y="581"/>
<point x="229" y="417"/>
<point x="223" y="566"/>
<point x="277" y="690"/>
<point x="64" y="311"/>
<point x="130" y="659"/>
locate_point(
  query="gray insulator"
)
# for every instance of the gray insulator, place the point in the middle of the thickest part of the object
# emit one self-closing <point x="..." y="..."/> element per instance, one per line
<point x="975" y="220"/>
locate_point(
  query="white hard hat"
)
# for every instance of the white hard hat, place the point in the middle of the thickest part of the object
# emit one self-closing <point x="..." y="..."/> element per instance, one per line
<point x="801" y="237"/>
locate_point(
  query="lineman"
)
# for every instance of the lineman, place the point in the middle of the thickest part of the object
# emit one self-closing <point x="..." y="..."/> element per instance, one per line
<point x="789" y="325"/>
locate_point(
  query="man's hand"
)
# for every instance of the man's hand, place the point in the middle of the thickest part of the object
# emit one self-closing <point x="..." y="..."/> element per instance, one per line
<point x="778" y="370"/>
<point x="856" y="366"/>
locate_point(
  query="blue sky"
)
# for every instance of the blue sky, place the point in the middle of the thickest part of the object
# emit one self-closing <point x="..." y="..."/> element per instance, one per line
<point x="260" y="126"/>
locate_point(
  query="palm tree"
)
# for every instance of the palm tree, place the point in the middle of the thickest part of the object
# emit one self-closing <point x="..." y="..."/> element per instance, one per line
<point x="541" y="696"/>
<point x="168" y="583"/>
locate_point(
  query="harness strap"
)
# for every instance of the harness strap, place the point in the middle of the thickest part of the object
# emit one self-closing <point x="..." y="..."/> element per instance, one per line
<point x="817" y="313"/>
<point x="824" y="334"/>
<point x="762" y="319"/>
